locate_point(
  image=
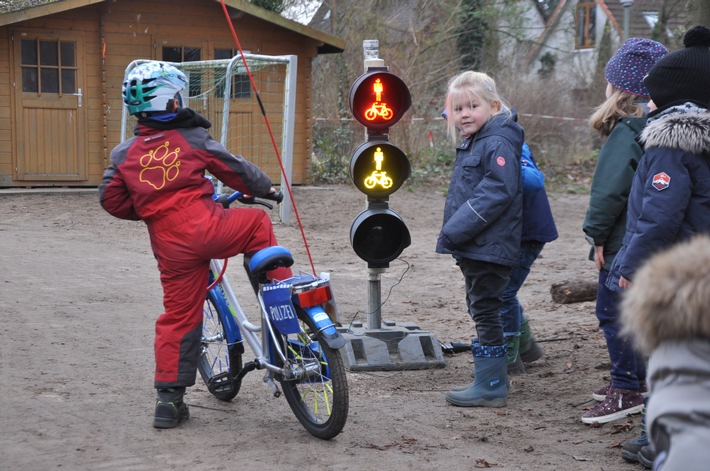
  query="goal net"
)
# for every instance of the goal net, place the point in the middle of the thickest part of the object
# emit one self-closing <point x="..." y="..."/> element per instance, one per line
<point x="220" y="91"/>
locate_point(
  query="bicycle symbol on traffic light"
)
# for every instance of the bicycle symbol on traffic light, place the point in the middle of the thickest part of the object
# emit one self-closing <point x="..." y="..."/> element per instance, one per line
<point x="378" y="108"/>
<point x="378" y="177"/>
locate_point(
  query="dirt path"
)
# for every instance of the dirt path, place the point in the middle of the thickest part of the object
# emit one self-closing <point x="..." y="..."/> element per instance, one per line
<point x="79" y="293"/>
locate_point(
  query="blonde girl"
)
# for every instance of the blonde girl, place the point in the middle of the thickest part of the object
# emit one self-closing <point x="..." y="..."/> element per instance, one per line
<point x="482" y="223"/>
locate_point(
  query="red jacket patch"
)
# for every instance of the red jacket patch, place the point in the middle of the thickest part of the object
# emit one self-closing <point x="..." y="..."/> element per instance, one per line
<point x="661" y="181"/>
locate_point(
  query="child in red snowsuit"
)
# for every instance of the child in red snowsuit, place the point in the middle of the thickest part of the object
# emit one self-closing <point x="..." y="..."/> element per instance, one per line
<point x="158" y="176"/>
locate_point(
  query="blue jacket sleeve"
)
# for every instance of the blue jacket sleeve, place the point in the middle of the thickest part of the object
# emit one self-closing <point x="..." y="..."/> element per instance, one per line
<point x="533" y="178"/>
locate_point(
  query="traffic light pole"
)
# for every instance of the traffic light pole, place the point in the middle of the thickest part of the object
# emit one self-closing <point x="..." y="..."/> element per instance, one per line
<point x="374" y="298"/>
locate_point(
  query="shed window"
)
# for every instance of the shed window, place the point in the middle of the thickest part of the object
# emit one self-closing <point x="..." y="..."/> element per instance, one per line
<point x="241" y="88"/>
<point x="586" y="21"/>
<point x="48" y="66"/>
<point x="186" y="54"/>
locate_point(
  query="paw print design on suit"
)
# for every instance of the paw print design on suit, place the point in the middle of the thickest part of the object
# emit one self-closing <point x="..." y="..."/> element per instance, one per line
<point x="160" y="166"/>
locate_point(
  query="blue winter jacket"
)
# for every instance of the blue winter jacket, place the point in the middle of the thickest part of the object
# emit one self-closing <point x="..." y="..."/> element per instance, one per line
<point x="483" y="209"/>
<point x="538" y="223"/>
<point x="670" y="193"/>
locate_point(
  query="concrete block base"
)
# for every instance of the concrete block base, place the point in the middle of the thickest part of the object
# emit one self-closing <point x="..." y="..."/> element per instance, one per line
<point x="393" y="347"/>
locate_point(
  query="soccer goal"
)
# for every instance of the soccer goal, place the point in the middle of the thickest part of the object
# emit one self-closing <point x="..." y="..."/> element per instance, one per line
<point x="220" y="91"/>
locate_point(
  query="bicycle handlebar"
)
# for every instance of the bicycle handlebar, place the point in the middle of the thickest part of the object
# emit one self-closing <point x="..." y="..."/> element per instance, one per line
<point x="226" y="200"/>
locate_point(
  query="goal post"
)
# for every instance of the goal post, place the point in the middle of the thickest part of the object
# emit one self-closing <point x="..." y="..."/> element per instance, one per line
<point x="220" y="90"/>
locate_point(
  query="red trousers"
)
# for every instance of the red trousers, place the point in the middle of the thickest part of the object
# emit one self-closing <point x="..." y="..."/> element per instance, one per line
<point x="184" y="243"/>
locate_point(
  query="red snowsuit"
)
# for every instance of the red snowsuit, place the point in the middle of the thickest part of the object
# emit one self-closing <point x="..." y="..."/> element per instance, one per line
<point x="158" y="177"/>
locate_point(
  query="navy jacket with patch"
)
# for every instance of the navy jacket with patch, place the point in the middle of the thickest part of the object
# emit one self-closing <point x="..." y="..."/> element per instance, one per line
<point x="670" y="193"/>
<point x="483" y="209"/>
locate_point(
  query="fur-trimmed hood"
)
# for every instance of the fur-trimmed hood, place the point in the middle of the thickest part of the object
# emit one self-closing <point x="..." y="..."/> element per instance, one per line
<point x="689" y="132"/>
<point x="669" y="299"/>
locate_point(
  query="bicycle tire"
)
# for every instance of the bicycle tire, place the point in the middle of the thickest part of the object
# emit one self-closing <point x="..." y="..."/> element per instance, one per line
<point x="218" y="363"/>
<point x="320" y="402"/>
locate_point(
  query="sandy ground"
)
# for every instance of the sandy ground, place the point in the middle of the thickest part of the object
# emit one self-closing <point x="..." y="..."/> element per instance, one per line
<point x="79" y="293"/>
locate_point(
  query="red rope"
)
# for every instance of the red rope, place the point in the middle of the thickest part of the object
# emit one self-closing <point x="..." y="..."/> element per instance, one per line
<point x="219" y="278"/>
<point x="271" y="134"/>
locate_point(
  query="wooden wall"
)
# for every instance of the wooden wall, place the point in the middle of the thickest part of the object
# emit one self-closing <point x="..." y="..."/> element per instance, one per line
<point x="6" y="167"/>
<point x="116" y="33"/>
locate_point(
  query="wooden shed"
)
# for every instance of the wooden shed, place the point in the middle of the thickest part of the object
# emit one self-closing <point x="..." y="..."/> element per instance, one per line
<point x="62" y="64"/>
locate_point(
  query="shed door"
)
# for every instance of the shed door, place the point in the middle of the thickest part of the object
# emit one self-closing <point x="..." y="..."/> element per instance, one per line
<point x="50" y="131"/>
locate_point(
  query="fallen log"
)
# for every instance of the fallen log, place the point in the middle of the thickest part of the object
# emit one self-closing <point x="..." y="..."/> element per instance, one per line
<point x="573" y="291"/>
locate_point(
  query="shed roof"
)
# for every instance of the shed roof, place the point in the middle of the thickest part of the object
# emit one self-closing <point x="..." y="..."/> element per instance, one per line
<point x="15" y="11"/>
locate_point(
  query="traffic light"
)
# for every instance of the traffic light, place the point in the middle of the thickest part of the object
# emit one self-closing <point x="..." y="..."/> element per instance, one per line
<point x="378" y="168"/>
<point x="378" y="99"/>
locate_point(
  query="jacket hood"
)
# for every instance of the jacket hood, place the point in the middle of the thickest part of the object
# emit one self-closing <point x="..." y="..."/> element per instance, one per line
<point x="184" y="118"/>
<point x="689" y="132"/>
<point x="669" y="297"/>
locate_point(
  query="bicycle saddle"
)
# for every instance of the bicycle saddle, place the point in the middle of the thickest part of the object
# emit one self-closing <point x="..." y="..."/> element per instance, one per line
<point x="270" y="258"/>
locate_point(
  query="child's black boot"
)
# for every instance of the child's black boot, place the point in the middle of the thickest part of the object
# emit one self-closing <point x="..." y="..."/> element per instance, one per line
<point x="170" y="409"/>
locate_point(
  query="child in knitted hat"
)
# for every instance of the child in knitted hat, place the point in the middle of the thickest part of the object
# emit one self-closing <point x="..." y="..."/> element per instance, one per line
<point x="619" y="119"/>
<point x="668" y="200"/>
<point x="682" y="76"/>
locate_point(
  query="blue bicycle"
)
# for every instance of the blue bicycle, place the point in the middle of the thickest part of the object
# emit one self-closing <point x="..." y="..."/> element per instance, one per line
<point x="295" y="342"/>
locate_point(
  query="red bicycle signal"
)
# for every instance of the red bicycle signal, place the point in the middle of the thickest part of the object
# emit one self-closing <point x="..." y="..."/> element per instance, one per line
<point x="379" y="99"/>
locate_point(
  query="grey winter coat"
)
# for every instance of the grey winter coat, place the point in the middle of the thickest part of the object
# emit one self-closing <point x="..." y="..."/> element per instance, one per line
<point x="666" y="313"/>
<point x="483" y="209"/>
<point x="679" y="407"/>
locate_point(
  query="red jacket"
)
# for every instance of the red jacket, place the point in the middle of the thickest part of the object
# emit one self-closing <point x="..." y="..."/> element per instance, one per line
<point x="161" y="170"/>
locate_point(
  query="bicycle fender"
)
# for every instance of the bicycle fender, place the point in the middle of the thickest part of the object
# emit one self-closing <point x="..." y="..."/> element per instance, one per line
<point x="325" y="326"/>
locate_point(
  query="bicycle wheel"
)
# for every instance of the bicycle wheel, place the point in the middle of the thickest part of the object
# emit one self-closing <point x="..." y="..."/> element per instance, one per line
<point x="218" y="363"/>
<point x="319" y="399"/>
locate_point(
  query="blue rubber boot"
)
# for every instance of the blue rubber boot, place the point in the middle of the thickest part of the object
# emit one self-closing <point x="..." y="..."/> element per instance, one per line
<point x="490" y="384"/>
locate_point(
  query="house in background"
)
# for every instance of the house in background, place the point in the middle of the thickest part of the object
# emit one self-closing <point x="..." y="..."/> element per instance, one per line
<point x="62" y="64"/>
<point x="567" y="37"/>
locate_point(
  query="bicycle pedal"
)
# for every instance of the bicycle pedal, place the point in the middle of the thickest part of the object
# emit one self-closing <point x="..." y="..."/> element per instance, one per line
<point x="220" y="382"/>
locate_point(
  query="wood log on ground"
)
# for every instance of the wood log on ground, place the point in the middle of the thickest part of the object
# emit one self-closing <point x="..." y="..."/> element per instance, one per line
<point x="573" y="291"/>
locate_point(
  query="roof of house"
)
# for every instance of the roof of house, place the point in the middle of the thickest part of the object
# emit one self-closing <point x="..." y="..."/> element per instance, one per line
<point x="15" y="11"/>
<point x="641" y="14"/>
<point x="641" y="17"/>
